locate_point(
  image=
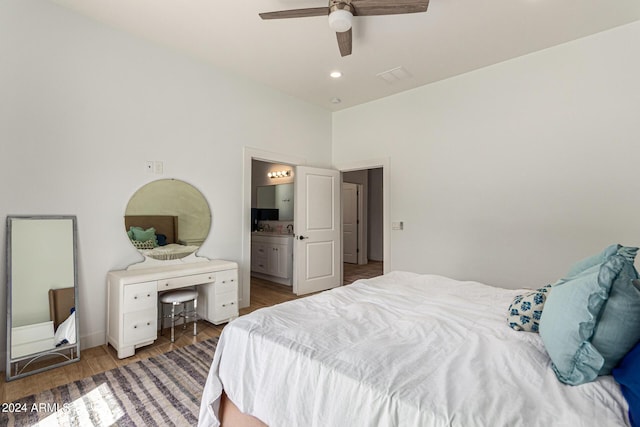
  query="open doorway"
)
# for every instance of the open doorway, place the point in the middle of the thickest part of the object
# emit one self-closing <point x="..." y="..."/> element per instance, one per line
<point x="272" y="222"/>
<point x="363" y="224"/>
<point x="248" y="188"/>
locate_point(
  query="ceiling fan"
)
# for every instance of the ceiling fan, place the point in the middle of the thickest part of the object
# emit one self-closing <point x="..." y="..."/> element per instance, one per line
<point x="341" y="12"/>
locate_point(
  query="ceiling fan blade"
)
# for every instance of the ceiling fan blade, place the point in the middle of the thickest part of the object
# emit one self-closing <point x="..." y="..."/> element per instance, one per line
<point x="382" y="7"/>
<point x="345" y="42"/>
<point x="295" y="13"/>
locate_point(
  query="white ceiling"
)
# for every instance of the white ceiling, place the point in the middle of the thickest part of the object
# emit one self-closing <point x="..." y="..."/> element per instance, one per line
<point x="297" y="55"/>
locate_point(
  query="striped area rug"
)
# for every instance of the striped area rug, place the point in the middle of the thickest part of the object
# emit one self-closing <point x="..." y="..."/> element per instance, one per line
<point x="160" y="391"/>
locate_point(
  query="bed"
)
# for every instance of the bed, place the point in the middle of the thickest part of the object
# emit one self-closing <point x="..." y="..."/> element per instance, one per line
<point x="407" y="349"/>
<point x="164" y="225"/>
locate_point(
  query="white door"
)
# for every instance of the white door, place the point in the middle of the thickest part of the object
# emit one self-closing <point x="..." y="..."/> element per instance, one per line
<point x="317" y="230"/>
<point x="350" y="222"/>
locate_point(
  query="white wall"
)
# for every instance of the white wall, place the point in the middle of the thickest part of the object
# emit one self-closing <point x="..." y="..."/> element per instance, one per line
<point x="82" y="107"/>
<point x="508" y="174"/>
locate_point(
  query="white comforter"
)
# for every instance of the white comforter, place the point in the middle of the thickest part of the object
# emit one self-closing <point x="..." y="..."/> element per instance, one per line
<point x="399" y="350"/>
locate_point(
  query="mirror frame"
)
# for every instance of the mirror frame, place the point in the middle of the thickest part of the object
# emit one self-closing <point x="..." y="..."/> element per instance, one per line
<point x="69" y="352"/>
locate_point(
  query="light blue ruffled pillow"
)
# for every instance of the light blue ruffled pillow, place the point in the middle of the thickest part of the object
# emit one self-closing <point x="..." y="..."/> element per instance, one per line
<point x="593" y="260"/>
<point x="591" y="320"/>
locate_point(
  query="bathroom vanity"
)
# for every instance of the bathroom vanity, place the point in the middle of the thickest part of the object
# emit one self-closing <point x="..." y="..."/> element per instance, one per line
<point x="272" y="257"/>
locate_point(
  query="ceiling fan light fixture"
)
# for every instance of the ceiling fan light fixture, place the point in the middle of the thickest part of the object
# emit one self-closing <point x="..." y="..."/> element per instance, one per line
<point x="340" y="20"/>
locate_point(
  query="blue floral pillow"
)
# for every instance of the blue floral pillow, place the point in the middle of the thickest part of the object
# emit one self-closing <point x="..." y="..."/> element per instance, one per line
<point x="526" y="310"/>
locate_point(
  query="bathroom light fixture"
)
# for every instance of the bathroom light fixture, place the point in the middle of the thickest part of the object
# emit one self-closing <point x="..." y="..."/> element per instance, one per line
<point x="336" y="74"/>
<point x="279" y="174"/>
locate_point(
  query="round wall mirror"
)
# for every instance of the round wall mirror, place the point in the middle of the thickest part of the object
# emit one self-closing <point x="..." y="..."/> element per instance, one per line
<point x="167" y="219"/>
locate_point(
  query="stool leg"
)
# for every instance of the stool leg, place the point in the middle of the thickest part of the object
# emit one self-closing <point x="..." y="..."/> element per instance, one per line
<point x="195" y="317"/>
<point x="173" y="322"/>
<point x="161" y="323"/>
<point x="184" y="318"/>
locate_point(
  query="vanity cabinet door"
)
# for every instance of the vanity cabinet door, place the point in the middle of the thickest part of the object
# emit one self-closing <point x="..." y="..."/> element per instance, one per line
<point x="277" y="260"/>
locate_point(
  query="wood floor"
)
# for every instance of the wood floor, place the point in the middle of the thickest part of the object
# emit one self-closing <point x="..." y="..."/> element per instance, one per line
<point x="102" y="358"/>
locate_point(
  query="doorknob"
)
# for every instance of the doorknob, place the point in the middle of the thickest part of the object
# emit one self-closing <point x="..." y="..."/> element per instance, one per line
<point x="303" y="237"/>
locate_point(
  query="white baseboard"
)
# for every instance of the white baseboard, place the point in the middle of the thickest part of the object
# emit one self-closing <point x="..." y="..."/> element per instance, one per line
<point x="94" y="340"/>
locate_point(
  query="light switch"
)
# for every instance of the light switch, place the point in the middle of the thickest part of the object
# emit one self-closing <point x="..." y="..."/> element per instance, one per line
<point x="397" y="225"/>
<point x="159" y="167"/>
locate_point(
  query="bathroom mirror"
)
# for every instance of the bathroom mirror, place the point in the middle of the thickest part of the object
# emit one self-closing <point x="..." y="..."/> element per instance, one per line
<point x="42" y="294"/>
<point x="279" y="196"/>
<point x="167" y="219"/>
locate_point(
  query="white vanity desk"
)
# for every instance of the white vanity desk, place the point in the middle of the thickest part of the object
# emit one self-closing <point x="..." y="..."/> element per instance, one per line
<point x="132" y="299"/>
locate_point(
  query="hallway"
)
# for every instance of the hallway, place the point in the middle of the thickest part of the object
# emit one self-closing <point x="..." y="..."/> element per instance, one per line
<point x="353" y="272"/>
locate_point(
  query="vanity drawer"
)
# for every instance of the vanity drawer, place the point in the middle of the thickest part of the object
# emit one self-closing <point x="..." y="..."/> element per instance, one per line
<point x="140" y="296"/>
<point x="226" y="306"/>
<point x="140" y="326"/>
<point x="226" y="281"/>
<point x="181" y="282"/>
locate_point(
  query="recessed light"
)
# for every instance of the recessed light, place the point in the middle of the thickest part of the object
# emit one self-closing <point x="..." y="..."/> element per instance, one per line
<point x="336" y="100"/>
<point x="336" y="74"/>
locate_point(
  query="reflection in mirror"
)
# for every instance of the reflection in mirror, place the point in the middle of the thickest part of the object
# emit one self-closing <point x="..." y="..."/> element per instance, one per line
<point x="279" y="197"/>
<point x="42" y="294"/>
<point x="167" y="219"/>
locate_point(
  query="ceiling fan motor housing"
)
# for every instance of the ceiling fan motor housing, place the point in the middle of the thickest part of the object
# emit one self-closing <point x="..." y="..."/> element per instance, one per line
<point x="340" y="16"/>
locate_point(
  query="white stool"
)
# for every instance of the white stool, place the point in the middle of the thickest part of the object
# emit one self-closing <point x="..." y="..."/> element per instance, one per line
<point x="181" y="296"/>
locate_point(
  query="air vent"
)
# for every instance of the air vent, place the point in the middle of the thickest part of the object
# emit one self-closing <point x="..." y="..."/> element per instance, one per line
<point x="394" y="75"/>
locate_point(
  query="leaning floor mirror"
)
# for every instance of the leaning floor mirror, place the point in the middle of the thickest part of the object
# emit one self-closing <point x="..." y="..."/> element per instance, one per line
<point x="42" y="294"/>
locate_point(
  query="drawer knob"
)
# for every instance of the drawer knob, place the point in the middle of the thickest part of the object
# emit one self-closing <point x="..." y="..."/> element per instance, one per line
<point x="148" y="323"/>
<point x="148" y="295"/>
<point x="135" y="297"/>
<point x="135" y="326"/>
